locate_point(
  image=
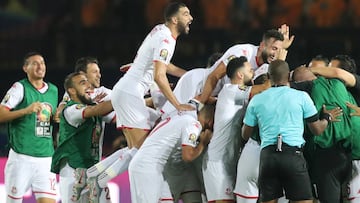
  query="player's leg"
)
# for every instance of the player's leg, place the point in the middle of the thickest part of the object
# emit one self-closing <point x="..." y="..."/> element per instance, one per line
<point x="18" y="175"/>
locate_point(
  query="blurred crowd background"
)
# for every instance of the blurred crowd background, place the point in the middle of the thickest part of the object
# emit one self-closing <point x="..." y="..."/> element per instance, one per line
<point x="112" y="30"/>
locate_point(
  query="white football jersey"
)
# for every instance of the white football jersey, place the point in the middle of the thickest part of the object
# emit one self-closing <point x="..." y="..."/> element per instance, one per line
<point x="230" y="99"/>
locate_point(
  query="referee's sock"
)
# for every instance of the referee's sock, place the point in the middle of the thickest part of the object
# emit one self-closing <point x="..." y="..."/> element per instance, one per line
<point x="118" y="167"/>
<point x="98" y="168"/>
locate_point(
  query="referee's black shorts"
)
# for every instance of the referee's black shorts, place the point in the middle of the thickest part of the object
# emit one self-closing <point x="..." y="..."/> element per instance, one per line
<point x="283" y="171"/>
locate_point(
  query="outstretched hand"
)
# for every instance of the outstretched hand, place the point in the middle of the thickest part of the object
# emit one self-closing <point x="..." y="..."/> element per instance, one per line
<point x="334" y="113"/>
<point x="285" y="30"/>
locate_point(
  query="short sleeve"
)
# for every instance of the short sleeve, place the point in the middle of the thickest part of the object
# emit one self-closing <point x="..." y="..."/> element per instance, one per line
<point x="190" y="134"/>
<point x="13" y="96"/>
<point x="74" y="114"/>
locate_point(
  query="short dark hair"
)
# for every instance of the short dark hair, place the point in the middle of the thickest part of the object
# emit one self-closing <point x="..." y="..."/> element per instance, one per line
<point x="234" y="64"/>
<point x="30" y="54"/>
<point x="172" y="9"/>
<point x="81" y="63"/>
<point x="68" y="82"/>
<point x="213" y="58"/>
<point x="279" y="70"/>
<point x="272" y="33"/>
<point x="320" y="57"/>
<point x="346" y="62"/>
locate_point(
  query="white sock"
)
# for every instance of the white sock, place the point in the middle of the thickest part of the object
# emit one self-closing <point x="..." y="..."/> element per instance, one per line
<point x="118" y="167"/>
<point x="98" y="168"/>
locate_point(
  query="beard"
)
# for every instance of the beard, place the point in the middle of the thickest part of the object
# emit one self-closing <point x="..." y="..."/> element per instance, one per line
<point x="265" y="56"/>
<point x="84" y="100"/>
<point x="181" y="27"/>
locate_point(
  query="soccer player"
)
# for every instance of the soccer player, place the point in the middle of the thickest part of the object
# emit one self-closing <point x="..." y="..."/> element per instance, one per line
<point x="81" y="125"/>
<point x="146" y="168"/>
<point x="29" y="107"/>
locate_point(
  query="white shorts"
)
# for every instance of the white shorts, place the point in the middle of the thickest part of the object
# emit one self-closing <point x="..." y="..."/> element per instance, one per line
<point x="145" y="186"/>
<point x="246" y="187"/>
<point x="219" y="184"/>
<point x="23" y="172"/>
<point x="354" y="184"/>
<point x="131" y="111"/>
<point x="183" y="181"/>
<point x="66" y="183"/>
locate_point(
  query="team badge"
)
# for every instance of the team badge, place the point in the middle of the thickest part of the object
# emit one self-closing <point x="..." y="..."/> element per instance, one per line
<point x="13" y="190"/>
<point x="6" y="98"/>
<point x="231" y="57"/>
<point x="192" y="138"/>
<point x="164" y="54"/>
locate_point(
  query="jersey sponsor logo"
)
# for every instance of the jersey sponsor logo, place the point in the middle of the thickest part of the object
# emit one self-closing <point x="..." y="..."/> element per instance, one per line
<point x="230" y="58"/>
<point x="166" y="41"/>
<point x="6" y="98"/>
<point x="164" y="54"/>
<point x="244" y="52"/>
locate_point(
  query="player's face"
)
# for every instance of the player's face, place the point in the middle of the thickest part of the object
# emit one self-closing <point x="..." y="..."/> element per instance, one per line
<point x="334" y="63"/>
<point x="248" y="73"/>
<point x="83" y="89"/>
<point x="184" y="20"/>
<point x="93" y="74"/>
<point x="271" y="49"/>
<point x="35" y="67"/>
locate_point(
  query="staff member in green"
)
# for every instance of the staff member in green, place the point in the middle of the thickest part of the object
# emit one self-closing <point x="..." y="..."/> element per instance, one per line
<point x="28" y="108"/>
<point x="80" y="128"/>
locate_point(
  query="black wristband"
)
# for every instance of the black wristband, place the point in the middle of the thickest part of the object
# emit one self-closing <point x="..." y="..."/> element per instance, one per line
<point x="326" y="116"/>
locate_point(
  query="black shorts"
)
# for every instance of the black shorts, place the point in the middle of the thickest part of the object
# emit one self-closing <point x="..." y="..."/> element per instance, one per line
<point x="283" y="171"/>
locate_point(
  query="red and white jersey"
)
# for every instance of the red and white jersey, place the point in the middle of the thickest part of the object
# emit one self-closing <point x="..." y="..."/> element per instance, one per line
<point x="159" y="45"/>
<point x="15" y="95"/>
<point x="158" y="146"/>
<point x="222" y="145"/>
<point x="93" y="94"/>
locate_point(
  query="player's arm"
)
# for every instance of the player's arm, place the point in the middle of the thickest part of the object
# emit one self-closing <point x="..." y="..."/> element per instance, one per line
<point x="163" y="83"/>
<point x="332" y="72"/>
<point x="175" y="70"/>
<point x="256" y="89"/>
<point x="211" y="82"/>
<point x="7" y="115"/>
<point x="317" y="124"/>
<point x="247" y="131"/>
<point x="190" y="153"/>
<point x="98" y="110"/>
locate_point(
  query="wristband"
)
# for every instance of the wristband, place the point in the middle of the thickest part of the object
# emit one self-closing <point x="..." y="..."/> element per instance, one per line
<point x="326" y="116"/>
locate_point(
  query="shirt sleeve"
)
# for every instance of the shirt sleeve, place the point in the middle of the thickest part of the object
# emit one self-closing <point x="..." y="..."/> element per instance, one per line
<point x="13" y="96"/>
<point x="65" y="98"/>
<point x="74" y="114"/>
<point x="309" y="108"/>
<point x="164" y="49"/>
<point x="190" y="134"/>
<point x="250" y="118"/>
